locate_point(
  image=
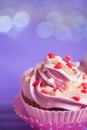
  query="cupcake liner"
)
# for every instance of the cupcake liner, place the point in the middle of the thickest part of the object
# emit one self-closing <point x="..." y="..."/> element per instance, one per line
<point x="50" y="120"/>
<point x="55" y="116"/>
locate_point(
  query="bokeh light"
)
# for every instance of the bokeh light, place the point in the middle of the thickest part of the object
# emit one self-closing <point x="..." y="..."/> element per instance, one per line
<point x="56" y="22"/>
<point x="63" y="33"/>
<point x="21" y="19"/>
<point x="54" y="18"/>
<point x="5" y="23"/>
<point x="44" y="30"/>
<point x="78" y="20"/>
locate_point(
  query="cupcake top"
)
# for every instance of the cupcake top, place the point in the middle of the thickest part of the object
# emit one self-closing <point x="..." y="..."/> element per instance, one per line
<point x="56" y="82"/>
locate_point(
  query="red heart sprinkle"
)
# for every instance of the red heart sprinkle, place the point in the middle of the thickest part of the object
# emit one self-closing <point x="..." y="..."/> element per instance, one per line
<point x="68" y="58"/>
<point x="58" y="65"/>
<point x="69" y="65"/>
<point x="84" y="90"/>
<point x="77" y="98"/>
<point x="36" y="83"/>
<point x="44" y="91"/>
<point x="84" y="85"/>
<point x="51" y="55"/>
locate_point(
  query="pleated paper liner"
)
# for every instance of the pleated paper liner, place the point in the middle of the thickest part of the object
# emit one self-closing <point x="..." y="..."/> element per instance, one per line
<point x="39" y="119"/>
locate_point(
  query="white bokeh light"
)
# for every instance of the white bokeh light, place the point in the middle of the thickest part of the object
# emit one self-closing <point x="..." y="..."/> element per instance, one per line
<point x="63" y="33"/>
<point x="5" y="23"/>
<point x="21" y="19"/>
<point x="78" y="21"/>
<point x="44" y="30"/>
<point x="54" y="18"/>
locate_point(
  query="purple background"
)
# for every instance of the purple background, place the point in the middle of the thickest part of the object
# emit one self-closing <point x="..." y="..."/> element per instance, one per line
<point x="27" y="49"/>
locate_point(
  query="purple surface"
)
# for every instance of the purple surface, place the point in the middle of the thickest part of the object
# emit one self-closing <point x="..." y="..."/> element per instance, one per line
<point x="10" y="121"/>
<point x="22" y="52"/>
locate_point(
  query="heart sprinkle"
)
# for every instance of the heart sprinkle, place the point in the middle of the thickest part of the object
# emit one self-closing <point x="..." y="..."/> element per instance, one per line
<point x="36" y="83"/>
<point x="77" y="98"/>
<point x="58" y="65"/>
<point x="51" y="55"/>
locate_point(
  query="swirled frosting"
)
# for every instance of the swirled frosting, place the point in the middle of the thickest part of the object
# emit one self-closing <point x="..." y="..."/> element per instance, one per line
<point x="56" y="82"/>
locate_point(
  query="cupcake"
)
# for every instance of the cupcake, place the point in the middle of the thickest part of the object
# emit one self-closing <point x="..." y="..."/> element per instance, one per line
<point x="53" y="95"/>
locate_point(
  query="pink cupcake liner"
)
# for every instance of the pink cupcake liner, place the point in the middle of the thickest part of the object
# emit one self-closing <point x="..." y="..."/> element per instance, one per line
<point x="56" y="116"/>
<point x="44" y="120"/>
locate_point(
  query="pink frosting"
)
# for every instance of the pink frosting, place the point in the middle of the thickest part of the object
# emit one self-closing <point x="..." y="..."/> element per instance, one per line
<point x="52" y="86"/>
